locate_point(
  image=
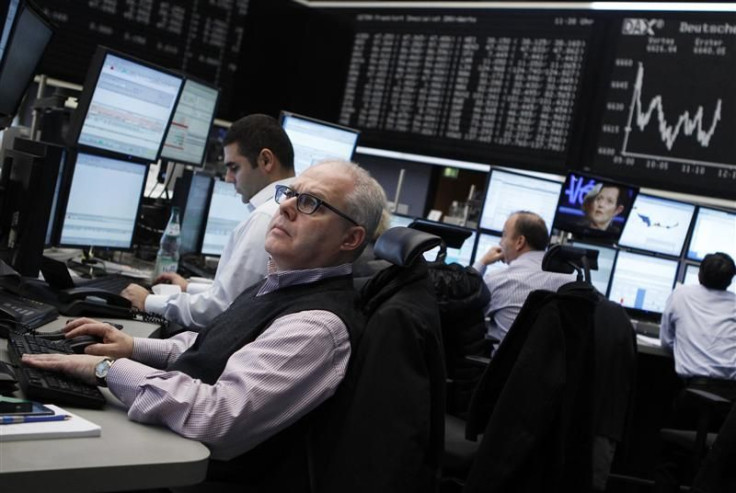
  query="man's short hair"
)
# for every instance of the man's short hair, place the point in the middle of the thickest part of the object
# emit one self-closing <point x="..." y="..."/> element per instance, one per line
<point x="533" y="228"/>
<point x="254" y="133"/>
<point x="717" y="271"/>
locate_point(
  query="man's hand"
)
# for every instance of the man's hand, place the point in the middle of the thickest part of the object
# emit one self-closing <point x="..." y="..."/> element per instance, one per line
<point x="81" y="366"/>
<point x="136" y="294"/>
<point x="172" y="278"/>
<point x="493" y="255"/>
<point x="115" y="343"/>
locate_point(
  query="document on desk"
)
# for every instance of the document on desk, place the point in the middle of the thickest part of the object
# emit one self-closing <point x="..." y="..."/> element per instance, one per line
<point x="73" y="426"/>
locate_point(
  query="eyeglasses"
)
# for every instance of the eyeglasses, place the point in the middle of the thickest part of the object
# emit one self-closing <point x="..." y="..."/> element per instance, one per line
<point x="307" y="203"/>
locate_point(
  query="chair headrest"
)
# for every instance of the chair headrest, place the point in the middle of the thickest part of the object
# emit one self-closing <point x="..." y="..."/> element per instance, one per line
<point x="566" y="258"/>
<point x="454" y="236"/>
<point x="401" y="246"/>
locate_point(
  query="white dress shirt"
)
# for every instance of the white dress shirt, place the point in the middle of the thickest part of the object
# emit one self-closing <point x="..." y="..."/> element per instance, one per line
<point x="291" y="368"/>
<point x="699" y="327"/>
<point x="244" y="262"/>
<point x="510" y="287"/>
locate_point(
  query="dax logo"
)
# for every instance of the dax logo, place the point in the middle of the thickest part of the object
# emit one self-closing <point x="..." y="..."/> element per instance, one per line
<point x="641" y="27"/>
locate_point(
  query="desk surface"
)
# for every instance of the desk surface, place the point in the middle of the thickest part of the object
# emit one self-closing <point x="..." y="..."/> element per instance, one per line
<point x="128" y="455"/>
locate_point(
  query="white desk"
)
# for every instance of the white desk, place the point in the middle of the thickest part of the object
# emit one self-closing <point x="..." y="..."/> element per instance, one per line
<point x="128" y="455"/>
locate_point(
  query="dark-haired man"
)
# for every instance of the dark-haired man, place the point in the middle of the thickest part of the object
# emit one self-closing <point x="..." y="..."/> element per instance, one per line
<point x="258" y="156"/>
<point x="522" y="246"/>
<point x="699" y="327"/>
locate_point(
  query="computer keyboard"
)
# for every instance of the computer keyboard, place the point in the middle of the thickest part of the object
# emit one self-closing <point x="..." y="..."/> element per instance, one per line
<point x="47" y="386"/>
<point x="646" y="328"/>
<point x="112" y="283"/>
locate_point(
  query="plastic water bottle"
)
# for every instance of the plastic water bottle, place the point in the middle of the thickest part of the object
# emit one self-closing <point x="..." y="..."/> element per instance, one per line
<point x="167" y="258"/>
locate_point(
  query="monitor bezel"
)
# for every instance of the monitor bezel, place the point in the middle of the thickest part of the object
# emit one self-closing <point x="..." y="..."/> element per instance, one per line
<point x="91" y="79"/>
<point x="201" y="163"/>
<point x="191" y="175"/>
<point x="284" y="114"/>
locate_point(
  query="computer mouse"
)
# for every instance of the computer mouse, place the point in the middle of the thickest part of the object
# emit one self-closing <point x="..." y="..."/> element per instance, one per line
<point x="77" y="344"/>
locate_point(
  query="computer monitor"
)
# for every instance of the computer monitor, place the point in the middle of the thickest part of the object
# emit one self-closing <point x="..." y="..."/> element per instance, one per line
<point x="714" y="231"/>
<point x="25" y="36"/>
<point x="225" y="211"/>
<point x="192" y="196"/>
<point x="103" y="201"/>
<point x="399" y="220"/>
<point x="125" y="107"/>
<point x="485" y="242"/>
<point x="642" y="282"/>
<point x="601" y="278"/>
<point x="658" y="225"/>
<point x="691" y="277"/>
<point x="186" y="137"/>
<point x="511" y="192"/>
<point x="593" y="208"/>
<point x="315" y="140"/>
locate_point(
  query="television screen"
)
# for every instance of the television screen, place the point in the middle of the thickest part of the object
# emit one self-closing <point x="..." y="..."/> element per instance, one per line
<point x="592" y="208"/>
<point x="25" y="35"/>
<point x="606" y="257"/>
<point x="186" y="137"/>
<point x="226" y="210"/>
<point x="125" y="107"/>
<point x="714" y="231"/>
<point x="314" y="140"/>
<point x="102" y="205"/>
<point x="658" y="225"/>
<point x="691" y="277"/>
<point x="642" y="282"/>
<point x="511" y="192"/>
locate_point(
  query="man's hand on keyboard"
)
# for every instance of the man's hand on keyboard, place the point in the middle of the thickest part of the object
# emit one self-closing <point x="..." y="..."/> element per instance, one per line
<point x="172" y="278"/>
<point x="81" y="366"/>
<point x="115" y="343"/>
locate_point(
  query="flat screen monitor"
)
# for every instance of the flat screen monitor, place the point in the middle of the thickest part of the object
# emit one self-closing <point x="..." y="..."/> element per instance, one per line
<point x="125" y="107"/>
<point x="714" y="231"/>
<point x="592" y="208"/>
<point x="399" y="220"/>
<point x="601" y="278"/>
<point x="642" y="282"/>
<point x="511" y="192"/>
<point x="102" y="205"/>
<point x="658" y="225"/>
<point x="485" y="242"/>
<point x="186" y="137"/>
<point x="226" y="210"/>
<point x="691" y="277"/>
<point x="25" y="36"/>
<point x="194" y="209"/>
<point x="316" y="140"/>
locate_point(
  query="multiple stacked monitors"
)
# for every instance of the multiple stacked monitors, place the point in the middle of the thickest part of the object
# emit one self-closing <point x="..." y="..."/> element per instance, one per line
<point x="642" y="282"/>
<point x="186" y="137"/>
<point x="103" y="202"/>
<point x="714" y="231"/>
<point x="593" y="209"/>
<point x="315" y="140"/>
<point x="510" y="192"/>
<point x="25" y="35"/>
<point x="126" y="106"/>
<point x="658" y="225"/>
<point x="226" y="211"/>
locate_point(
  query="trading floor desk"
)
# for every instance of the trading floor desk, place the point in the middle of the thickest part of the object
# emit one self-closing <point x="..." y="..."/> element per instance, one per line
<point x="128" y="455"/>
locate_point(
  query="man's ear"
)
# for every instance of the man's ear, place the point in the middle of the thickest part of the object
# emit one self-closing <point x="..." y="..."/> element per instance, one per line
<point x="520" y="242"/>
<point x="353" y="238"/>
<point x="266" y="160"/>
<point x="619" y="210"/>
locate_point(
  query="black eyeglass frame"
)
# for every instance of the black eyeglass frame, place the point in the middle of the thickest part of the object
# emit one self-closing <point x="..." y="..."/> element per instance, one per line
<point x="288" y="192"/>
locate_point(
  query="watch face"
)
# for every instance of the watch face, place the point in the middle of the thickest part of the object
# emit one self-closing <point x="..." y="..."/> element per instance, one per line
<point x="102" y="368"/>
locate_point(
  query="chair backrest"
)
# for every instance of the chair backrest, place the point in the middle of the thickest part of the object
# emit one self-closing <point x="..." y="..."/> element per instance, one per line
<point x="386" y="426"/>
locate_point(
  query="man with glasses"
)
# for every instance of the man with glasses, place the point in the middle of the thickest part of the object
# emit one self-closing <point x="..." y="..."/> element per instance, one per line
<point x="249" y="384"/>
<point x="258" y="157"/>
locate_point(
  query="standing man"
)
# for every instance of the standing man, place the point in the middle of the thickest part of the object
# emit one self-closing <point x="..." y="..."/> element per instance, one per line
<point x="699" y="327"/>
<point x="246" y="384"/>
<point x="258" y="157"/>
<point x="522" y="246"/>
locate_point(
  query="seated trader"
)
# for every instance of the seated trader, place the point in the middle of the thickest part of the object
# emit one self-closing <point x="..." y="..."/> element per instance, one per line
<point x="244" y="384"/>
<point x="522" y="246"/>
<point x="258" y="156"/>
<point x="699" y="327"/>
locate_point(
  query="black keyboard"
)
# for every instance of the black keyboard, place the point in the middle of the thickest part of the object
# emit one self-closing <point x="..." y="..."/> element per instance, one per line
<point x="47" y="386"/>
<point x="113" y="283"/>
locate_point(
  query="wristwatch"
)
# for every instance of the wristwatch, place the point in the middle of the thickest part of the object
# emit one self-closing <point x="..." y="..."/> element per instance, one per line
<point x="101" y="370"/>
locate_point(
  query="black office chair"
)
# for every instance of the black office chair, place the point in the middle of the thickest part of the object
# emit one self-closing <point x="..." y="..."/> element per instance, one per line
<point x="385" y="429"/>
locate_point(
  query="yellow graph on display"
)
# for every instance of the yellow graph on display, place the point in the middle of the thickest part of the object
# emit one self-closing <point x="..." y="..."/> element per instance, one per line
<point x="687" y="125"/>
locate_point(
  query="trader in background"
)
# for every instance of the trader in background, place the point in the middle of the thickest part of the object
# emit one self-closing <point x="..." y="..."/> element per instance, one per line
<point x="699" y="327"/>
<point x="246" y="383"/>
<point x="258" y="157"/>
<point x="523" y="242"/>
